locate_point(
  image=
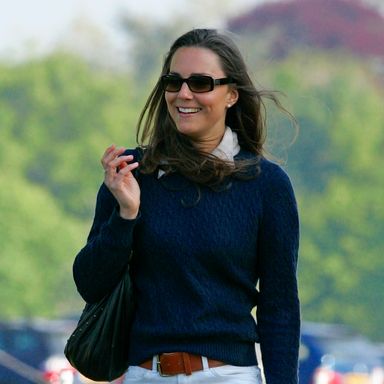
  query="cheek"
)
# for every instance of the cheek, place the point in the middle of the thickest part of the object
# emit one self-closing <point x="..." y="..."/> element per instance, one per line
<point x="170" y="102"/>
<point x="169" y="98"/>
<point x="214" y="102"/>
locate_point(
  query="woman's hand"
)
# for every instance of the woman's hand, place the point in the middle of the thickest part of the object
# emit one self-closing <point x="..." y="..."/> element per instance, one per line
<point x="120" y="180"/>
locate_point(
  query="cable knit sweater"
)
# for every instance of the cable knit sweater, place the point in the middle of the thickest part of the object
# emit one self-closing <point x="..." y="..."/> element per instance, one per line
<point x="196" y="256"/>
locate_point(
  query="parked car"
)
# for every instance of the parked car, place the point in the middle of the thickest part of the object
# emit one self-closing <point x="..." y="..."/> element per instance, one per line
<point x="31" y="351"/>
<point x="335" y="354"/>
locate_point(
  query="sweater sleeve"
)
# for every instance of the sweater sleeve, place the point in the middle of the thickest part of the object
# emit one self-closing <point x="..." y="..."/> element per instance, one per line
<point x="101" y="262"/>
<point x="99" y="265"/>
<point x="278" y="310"/>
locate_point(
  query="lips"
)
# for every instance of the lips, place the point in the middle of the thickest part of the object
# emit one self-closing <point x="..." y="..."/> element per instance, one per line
<point x="188" y="110"/>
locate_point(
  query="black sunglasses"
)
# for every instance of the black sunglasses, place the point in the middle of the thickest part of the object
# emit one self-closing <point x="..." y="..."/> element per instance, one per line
<point x="196" y="83"/>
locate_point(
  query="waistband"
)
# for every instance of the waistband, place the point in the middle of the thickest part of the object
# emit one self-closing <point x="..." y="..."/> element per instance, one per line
<point x="175" y="363"/>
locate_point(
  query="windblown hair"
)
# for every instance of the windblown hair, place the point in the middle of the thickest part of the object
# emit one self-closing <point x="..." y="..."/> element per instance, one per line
<point x="247" y="117"/>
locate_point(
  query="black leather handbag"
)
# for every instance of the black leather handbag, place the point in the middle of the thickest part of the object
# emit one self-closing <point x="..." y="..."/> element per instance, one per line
<point x="98" y="347"/>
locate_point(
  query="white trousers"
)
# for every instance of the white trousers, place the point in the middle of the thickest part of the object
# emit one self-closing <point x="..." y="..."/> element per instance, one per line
<point x="228" y="374"/>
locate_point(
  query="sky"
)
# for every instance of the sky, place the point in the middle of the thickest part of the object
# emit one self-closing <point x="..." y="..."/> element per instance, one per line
<point x="41" y="23"/>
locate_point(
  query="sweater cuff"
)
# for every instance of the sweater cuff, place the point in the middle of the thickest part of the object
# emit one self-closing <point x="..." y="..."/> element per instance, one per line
<point x="121" y="229"/>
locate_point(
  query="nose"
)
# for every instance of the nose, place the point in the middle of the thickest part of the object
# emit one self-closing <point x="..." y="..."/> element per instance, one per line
<point x="185" y="92"/>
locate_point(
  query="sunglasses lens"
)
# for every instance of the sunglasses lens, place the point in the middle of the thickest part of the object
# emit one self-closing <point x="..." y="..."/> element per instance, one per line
<point x="171" y="83"/>
<point x="200" y="83"/>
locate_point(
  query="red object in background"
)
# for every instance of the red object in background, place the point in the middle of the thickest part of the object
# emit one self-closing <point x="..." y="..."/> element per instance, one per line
<point x="325" y="375"/>
<point x="65" y="375"/>
<point x="318" y="23"/>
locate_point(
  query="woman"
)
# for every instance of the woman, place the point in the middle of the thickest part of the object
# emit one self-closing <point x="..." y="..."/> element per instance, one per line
<point x="207" y="219"/>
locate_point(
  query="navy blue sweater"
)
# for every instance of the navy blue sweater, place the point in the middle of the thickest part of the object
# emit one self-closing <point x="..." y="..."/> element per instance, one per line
<point x="197" y="256"/>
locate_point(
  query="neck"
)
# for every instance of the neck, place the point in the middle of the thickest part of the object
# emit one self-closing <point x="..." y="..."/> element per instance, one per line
<point x="208" y="144"/>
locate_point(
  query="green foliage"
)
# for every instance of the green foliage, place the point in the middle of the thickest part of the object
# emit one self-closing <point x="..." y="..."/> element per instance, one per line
<point x="64" y="114"/>
<point x="335" y="166"/>
<point x="38" y="243"/>
<point x="57" y="115"/>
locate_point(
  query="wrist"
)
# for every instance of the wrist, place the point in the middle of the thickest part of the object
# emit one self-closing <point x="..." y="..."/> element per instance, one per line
<point x="128" y="214"/>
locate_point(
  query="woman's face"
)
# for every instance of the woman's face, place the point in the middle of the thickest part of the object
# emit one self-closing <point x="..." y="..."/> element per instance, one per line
<point x="201" y="116"/>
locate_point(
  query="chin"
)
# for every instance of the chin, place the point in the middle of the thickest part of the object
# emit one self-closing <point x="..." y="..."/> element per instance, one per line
<point x="185" y="130"/>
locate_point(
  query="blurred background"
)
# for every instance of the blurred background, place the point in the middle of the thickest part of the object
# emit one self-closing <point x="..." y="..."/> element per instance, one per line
<point x="74" y="76"/>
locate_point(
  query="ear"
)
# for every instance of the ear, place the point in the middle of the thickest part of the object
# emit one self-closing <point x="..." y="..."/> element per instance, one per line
<point x="233" y="95"/>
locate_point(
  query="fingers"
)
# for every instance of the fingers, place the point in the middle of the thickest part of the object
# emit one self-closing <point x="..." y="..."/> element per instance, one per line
<point x="120" y="181"/>
<point x="110" y="153"/>
<point x="122" y="165"/>
<point x="117" y="163"/>
<point x="112" y="158"/>
<point x="117" y="167"/>
<point x="127" y="168"/>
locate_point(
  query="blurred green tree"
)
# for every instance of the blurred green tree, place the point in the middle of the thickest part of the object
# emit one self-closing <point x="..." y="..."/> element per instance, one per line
<point x="64" y="113"/>
<point x="57" y="115"/>
<point x="335" y="166"/>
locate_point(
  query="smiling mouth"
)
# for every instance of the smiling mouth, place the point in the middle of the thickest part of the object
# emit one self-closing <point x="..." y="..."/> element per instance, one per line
<point x="188" y="110"/>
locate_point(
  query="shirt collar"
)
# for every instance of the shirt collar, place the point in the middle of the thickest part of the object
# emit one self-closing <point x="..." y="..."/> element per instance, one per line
<point x="229" y="146"/>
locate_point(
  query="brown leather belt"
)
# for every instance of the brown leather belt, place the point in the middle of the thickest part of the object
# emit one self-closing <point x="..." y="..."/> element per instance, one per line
<point x="170" y="364"/>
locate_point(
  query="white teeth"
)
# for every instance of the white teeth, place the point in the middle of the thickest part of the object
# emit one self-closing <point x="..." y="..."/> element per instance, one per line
<point x="188" y="110"/>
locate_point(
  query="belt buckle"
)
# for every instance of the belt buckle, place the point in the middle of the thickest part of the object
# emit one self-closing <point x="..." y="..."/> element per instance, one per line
<point x="159" y="369"/>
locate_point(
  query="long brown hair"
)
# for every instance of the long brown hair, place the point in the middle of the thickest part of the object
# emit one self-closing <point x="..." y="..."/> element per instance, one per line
<point x="247" y="117"/>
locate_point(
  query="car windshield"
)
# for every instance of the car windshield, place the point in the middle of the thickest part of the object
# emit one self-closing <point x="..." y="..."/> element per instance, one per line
<point x="356" y="350"/>
<point x="31" y="340"/>
<point x="57" y="343"/>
